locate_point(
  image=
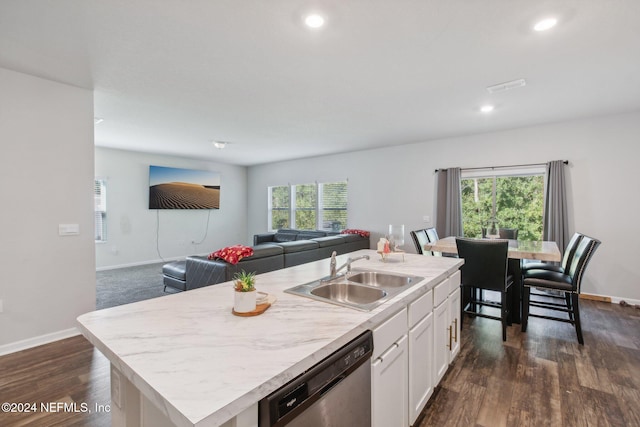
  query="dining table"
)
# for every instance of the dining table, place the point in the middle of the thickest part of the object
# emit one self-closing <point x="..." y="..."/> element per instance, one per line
<point x="519" y="250"/>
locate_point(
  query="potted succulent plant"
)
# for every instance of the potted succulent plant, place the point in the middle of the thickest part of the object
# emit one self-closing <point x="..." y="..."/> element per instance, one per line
<point x="244" y="299"/>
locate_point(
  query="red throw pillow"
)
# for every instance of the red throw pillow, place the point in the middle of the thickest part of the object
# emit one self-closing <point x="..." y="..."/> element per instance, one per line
<point x="361" y="233"/>
<point x="232" y="254"/>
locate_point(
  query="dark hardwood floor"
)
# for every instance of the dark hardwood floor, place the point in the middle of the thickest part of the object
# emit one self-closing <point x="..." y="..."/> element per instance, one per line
<point x="540" y="378"/>
<point x="544" y="377"/>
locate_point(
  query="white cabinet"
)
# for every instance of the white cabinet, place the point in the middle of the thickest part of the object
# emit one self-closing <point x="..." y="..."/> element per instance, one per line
<point x="446" y="324"/>
<point x="412" y="351"/>
<point x="389" y="387"/>
<point x="389" y="373"/>
<point x="420" y="366"/>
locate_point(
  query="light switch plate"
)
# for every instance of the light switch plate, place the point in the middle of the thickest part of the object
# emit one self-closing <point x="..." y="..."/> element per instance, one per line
<point x="68" y="229"/>
<point x="426" y="218"/>
<point x="1" y="306"/>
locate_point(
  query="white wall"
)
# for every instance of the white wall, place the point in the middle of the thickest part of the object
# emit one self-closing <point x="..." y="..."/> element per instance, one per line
<point x="396" y="185"/>
<point x="46" y="129"/>
<point x="133" y="235"/>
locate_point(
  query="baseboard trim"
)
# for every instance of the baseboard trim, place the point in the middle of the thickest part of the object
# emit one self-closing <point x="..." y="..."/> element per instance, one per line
<point x="612" y="300"/>
<point x="36" y="341"/>
<point x="593" y="297"/>
<point x="629" y="301"/>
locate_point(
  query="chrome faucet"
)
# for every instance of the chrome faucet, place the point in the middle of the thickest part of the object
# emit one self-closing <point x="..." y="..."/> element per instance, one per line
<point x="333" y="271"/>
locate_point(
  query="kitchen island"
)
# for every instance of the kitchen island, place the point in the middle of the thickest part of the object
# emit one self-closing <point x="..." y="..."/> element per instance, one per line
<point x="186" y="360"/>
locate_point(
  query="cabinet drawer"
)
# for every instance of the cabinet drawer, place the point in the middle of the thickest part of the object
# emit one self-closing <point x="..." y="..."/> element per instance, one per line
<point x="389" y="332"/>
<point x="420" y="308"/>
<point x="440" y="292"/>
<point x="454" y="282"/>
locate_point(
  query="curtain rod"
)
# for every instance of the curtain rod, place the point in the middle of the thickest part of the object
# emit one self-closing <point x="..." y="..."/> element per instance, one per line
<point x="566" y="162"/>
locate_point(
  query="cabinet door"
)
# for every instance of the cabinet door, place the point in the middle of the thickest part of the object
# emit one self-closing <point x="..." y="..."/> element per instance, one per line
<point x="389" y="387"/>
<point x="441" y="333"/>
<point x="455" y="311"/>
<point x="420" y="366"/>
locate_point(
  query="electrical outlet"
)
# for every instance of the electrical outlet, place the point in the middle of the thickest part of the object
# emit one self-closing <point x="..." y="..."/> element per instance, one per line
<point x="426" y="218"/>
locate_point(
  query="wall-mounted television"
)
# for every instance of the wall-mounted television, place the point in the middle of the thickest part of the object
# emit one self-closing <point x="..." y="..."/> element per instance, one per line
<point x="175" y="188"/>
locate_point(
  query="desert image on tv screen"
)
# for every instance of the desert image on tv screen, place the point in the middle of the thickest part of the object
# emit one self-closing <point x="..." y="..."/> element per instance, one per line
<point x="174" y="188"/>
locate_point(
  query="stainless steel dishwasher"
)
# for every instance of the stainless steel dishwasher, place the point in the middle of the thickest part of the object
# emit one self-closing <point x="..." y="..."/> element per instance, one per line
<point x="334" y="393"/>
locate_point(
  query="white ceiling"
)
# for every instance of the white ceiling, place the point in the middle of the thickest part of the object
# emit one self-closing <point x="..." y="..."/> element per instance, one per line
<point x="169" y="76"/>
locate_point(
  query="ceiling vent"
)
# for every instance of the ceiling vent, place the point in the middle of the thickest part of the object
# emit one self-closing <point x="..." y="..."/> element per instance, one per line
<point x="503" y="87"/>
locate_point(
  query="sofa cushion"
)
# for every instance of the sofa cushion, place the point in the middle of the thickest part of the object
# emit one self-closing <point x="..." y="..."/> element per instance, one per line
<point x="351" y="237"/>
<point x="176" y="270"/>
<point x="284" y="236"/>
<point x="309" y="234"/>
<point x="265" y="250"/>
<point x="299" y="245"/>
<point x="323" y="242"/>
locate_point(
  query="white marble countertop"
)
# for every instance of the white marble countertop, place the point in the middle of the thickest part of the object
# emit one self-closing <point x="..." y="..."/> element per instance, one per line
<point x="201" y="365"/>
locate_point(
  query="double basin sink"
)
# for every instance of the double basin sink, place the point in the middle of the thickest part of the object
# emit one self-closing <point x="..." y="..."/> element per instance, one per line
<point x="359" y="289"/>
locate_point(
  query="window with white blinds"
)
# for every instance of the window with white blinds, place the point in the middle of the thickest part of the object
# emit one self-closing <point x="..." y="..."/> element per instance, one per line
<point x="333" y="205"/>
<point x="100" y="209"/>
<point x="321" y="206"/>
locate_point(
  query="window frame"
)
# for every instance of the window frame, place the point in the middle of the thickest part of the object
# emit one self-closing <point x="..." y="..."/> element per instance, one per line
<point x="293" y="205"/>
<point x="505" y="172"/>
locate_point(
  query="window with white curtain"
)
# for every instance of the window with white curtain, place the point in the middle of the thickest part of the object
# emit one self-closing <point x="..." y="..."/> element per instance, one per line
<point x="321" y="206"/>
<point x="100" y="209"/>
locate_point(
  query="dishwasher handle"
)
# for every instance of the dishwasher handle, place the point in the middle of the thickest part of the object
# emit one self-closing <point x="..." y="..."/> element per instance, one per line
<point x="331" y="384"/>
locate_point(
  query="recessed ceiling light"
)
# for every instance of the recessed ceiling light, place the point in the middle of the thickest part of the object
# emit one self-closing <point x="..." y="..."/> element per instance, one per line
<point x="487" y="108"/>
<point x="545" y="24"/>
<point x="314" y="21"/>
<point x="219" y="144"/>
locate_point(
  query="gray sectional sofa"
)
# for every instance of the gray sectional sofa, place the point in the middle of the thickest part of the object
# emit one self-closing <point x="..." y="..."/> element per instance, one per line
<point x="271" y="251"/>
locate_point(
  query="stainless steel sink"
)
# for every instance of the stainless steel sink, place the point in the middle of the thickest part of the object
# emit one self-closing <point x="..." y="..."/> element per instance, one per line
<point x="349" y="293"/>
<point x="382" y="280"/>
<point x="360" y="289"/>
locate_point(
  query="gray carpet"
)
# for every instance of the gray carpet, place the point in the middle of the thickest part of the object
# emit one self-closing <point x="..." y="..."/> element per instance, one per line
<point x="130" y="284"/>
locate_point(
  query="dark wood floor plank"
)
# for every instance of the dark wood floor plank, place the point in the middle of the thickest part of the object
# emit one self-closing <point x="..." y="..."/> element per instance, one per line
<point x="67" y="372"/>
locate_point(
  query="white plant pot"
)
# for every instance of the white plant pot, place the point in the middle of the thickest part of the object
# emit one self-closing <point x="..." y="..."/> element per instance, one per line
<point x="244" y="302"/>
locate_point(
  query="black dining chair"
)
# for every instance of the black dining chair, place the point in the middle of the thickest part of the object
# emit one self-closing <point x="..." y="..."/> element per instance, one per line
<point x="508" y="233"/>
<point x="432" y="234"/>
<point x="485" y="268"/>
<point x="419" y="240"/>
<point x="569" y="252"/>
<point x="567" y="283"/>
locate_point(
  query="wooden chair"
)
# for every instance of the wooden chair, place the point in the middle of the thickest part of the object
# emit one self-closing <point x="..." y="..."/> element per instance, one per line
<point x="485" y="268"/>
<point x="567" y="283"/>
